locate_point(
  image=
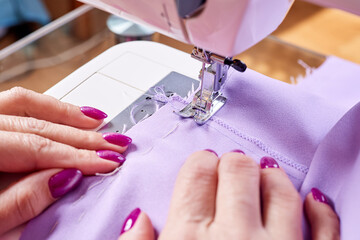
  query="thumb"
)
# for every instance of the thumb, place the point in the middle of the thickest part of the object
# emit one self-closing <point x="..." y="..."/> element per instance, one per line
<point x="323" y="220"/>
<point x="137" y="226"/>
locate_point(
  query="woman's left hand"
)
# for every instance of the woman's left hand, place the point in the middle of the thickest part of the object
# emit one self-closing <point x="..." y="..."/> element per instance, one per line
<point x="41" y="138"/>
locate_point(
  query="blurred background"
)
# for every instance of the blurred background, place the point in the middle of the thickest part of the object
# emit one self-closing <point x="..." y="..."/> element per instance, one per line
<point x="79" y="33"/>
<point x="20" y="17"/>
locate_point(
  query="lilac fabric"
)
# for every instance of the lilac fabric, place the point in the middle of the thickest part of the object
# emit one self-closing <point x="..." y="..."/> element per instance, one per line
<point x="316" y="141"/>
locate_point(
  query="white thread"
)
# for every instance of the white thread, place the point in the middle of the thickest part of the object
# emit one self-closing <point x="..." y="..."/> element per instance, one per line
<point x="90" y="187"/>
<point x="154" y="99"/>
<point x="191" y="91"/>
<point x="104" y="175"/>
<point x="145" y="117"/>
<point x="97" y="183"/>
<point x="171" y="131"/>
<point x="81" y="216"/>
<point x="308" y="71"/>
<point x="124" y="129"/>
<point x="108" y="174"/>
<point x="100" y="193"/>
<point x="53" y="228"/>
<point x="147" y="151"/>
<point x="188" y="94"/>
<point x="292" y="80"/>
<point x="159" y="90"/>
<point x="104" y="189"/>
<point x="80" y="198"/>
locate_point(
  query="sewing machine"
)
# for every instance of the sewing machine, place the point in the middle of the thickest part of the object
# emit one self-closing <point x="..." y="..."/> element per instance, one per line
<point x="125" y="73"/>
<point x="190" y="21"/>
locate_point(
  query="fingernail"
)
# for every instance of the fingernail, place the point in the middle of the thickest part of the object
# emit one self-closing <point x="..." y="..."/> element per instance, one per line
<point x="319" y="196"/>
<point x="268" y="162"/>
<point x="212" y="151"/>
<point x="238" y="151"/>
<point x="130" y="220"/>
<point x="93" y="113"/>
<point x="64" y="181"/>
<point x="111" y="155"/>
<point x="117" y="139"/>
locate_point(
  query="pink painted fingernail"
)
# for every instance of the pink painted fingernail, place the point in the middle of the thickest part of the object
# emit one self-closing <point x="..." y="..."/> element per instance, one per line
<point x="93" y="113"/>
<point x="268" y="162"/>
<point x="130" y="220"/>
<point x="64" y="181"/>
<point x="212" y="151"/>
<point x="319" y="196"/>
<point x="111" y="155"/>
<point x="117" y="139"/>
<point x="238" y="151"/>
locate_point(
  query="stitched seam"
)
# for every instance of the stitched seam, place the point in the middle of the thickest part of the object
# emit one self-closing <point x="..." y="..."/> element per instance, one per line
<point x="264" y="147"/>
<point x="302" y="168"/>
<point x="248" y="149"/>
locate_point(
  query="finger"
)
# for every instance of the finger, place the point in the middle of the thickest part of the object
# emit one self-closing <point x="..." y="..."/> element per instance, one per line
<point x="28" y="152"/>
<point x="194" y="194"/>
<point x="282" y="206"/>
<point x="323" y="220"/>
<point x="14" y="233"/>
<point x="238" y="200"/>
<point x="27" y="198"/>
<point x="137" y="226"/>
<point x="64" y="134"/>
<point x="21" y="102"/>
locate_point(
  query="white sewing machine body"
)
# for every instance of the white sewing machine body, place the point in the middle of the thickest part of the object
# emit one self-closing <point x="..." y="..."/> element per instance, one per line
<point x="116" y="78"/>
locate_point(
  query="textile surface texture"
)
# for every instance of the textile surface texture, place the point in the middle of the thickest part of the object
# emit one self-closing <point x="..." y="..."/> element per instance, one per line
<point x="313" y="132"/>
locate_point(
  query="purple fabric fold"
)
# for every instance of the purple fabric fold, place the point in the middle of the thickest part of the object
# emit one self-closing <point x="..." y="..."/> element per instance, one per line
<point x="315" y="141"/>
<point x="335" y="169"/>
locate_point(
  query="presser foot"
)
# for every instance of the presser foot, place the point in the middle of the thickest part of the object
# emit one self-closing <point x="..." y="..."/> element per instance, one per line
<point x="202" y="109"/>
<point x="208" y="100"/>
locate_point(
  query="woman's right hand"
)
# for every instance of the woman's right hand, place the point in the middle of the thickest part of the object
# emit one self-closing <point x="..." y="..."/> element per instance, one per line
<point x="234" y="198"/>
<point x="48" y="142"/>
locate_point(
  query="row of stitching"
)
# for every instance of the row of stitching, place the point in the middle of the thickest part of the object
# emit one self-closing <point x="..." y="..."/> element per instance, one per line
<point x="253" y="152"/>
<point x="264" y="147"/>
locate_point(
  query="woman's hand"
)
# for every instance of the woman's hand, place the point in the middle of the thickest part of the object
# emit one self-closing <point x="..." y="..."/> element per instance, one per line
<point x="40" y="135"/>
<point x="233" y="198"/>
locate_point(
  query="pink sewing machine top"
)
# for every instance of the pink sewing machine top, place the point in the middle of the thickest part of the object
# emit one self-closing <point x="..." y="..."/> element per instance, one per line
<point x="224" y="27"/>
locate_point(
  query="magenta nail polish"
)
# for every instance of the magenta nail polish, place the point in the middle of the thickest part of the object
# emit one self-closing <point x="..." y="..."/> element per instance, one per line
<point x="64" y="181"/>
<point x="111" y="155"/>
<point x="117" y="139"/>
<point x="238" y="151"/>
<point x="130" y="220"/>
<point x="93" y="113"/>
<point x="268" y="162"/>
<point x="319" y="196"/>
<point x="212" y="151"/>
